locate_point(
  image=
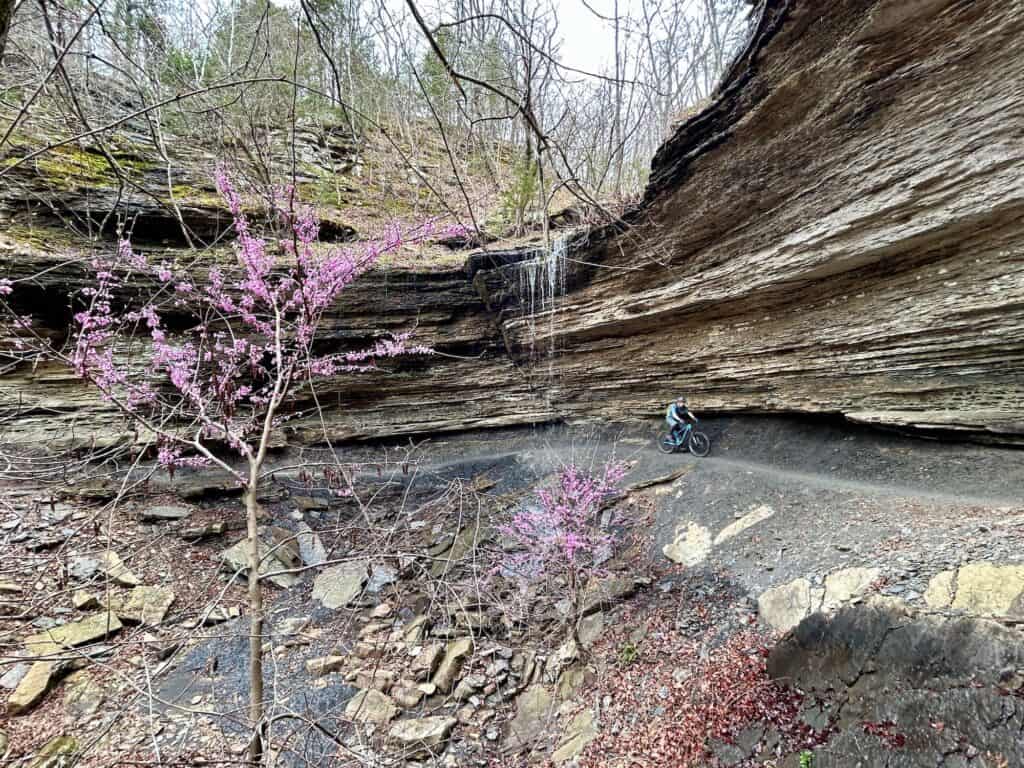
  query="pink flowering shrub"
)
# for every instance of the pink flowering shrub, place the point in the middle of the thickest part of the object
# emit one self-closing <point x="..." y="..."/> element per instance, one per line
<point x="559" y="539"/>
<point x="250" y="342"/>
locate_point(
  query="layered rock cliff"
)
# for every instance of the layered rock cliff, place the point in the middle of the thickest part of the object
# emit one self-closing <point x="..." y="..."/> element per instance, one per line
<point x="841" y="231"/>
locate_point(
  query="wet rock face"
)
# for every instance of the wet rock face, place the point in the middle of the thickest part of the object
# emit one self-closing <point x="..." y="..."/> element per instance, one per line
<point x="840" y="232"/>
<point x="907" y="689"/>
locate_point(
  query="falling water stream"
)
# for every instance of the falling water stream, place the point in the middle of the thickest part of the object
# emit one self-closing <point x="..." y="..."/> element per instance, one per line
<point x="540" y="282"/>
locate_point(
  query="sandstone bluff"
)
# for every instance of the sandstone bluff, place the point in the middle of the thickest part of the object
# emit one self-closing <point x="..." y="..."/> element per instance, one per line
<point x="838" y="232"/>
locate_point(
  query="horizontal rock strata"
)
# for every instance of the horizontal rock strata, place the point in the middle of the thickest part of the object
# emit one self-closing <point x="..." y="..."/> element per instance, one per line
<point x="839" y="232"/>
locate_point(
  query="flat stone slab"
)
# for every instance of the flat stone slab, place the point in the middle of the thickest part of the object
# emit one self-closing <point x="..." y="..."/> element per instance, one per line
<point x="76" y="633"/>
<point x="423" y="736"/>
<point x="690" y="546"/>
<point x="534" y="716"/>
<point x="112" y="566"/>
<point x="371" y="706"/>
<point x="339" y="585"/>
<point x="165" y="513"/>
<point x="757" y="515"/>
<point x="32" y="688"/>
<point x="454" y="657"/>
<point x="144" y="605"/>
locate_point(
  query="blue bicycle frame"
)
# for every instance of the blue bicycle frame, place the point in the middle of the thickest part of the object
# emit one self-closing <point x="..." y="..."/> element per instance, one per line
<point x="683" y="436"/>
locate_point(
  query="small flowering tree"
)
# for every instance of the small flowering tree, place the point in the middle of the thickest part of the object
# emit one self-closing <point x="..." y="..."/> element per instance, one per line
<point x="560" y="538"/>
<point x="248" y="346"/>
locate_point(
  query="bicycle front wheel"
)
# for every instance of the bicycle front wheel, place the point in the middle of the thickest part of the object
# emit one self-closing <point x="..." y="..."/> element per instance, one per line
<point x="699" y="444"/>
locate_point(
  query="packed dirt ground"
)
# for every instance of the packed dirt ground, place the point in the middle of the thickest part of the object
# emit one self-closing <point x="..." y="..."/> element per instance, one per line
<point x="810" y="594"/>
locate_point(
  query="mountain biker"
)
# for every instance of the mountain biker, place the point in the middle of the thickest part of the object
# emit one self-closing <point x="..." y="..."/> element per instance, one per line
<point x="677" y="416"/>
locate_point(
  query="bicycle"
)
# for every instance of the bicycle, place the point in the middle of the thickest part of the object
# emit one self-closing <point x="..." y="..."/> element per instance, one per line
<point x="696" y="442"/>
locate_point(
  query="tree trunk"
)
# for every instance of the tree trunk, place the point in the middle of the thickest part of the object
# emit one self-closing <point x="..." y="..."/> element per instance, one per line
<point x="6" y="13"/>
<point x="255" y="628"/>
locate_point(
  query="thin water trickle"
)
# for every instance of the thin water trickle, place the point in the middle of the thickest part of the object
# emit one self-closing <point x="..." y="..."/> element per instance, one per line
<point x="540" y="282"/>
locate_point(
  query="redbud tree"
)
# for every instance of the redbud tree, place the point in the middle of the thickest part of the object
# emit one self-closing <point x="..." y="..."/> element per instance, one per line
<point x="212" y="389"/>
<point x="559" y="540"/>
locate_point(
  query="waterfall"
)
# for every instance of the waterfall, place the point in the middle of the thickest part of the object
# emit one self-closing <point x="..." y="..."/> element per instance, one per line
<point x="539" y="282"/>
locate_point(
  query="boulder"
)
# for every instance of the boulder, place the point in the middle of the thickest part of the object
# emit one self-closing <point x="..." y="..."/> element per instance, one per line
<point x="406" y="694"/>
<point x="786" y="606"/>
<point x="939" y="593"/>
<point x="378" y="679"/>
<point x="690" y="546"/>
<point x="371" y="706"/>
<point x="846" y="584"/>
<point x="605" y="591"/>
<point x="467" y="686"/>
<point x="424" y="736"/>
<point x="339" y="585"/>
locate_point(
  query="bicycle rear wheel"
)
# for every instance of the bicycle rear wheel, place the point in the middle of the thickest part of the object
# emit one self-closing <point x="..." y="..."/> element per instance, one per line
<point x="667" y="444"/>
<point x="699" y="444"/>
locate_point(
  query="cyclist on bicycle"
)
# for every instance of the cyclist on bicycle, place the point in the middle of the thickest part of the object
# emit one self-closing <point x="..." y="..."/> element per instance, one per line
<point x="678" y="415"/>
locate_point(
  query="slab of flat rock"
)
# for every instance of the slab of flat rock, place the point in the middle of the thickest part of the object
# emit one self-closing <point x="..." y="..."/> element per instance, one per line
<point x="311" y="548"/>
<point x="757" y="515"/>
<point x="32" y="688"/>
<point x="83" y="568"/>
<point x="56" y="753"/>
<point x="424" y="736"/>
<point x="143" y="605"/>
<point x="83" y="600"/>
<point x="112" y="566"/>
<point x="534" y="716"/>
<point x="578" y="734"/>
<point x="84" y="696"/>
<point x="73" y="634"/>
<point x="380" y="577"/>
<point x="14" y="675"/>
<point x="236" y="559"/>
<point x="987" y="589"/>
<point x="371" y="706"/>
<point x="164" y="513"/>
<point x="454" y="657"/>
<point x="339" y="585"/>
<point x="785" y="606"/>
<point x="325" y="665"/>
<point x="846" y="584"/>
